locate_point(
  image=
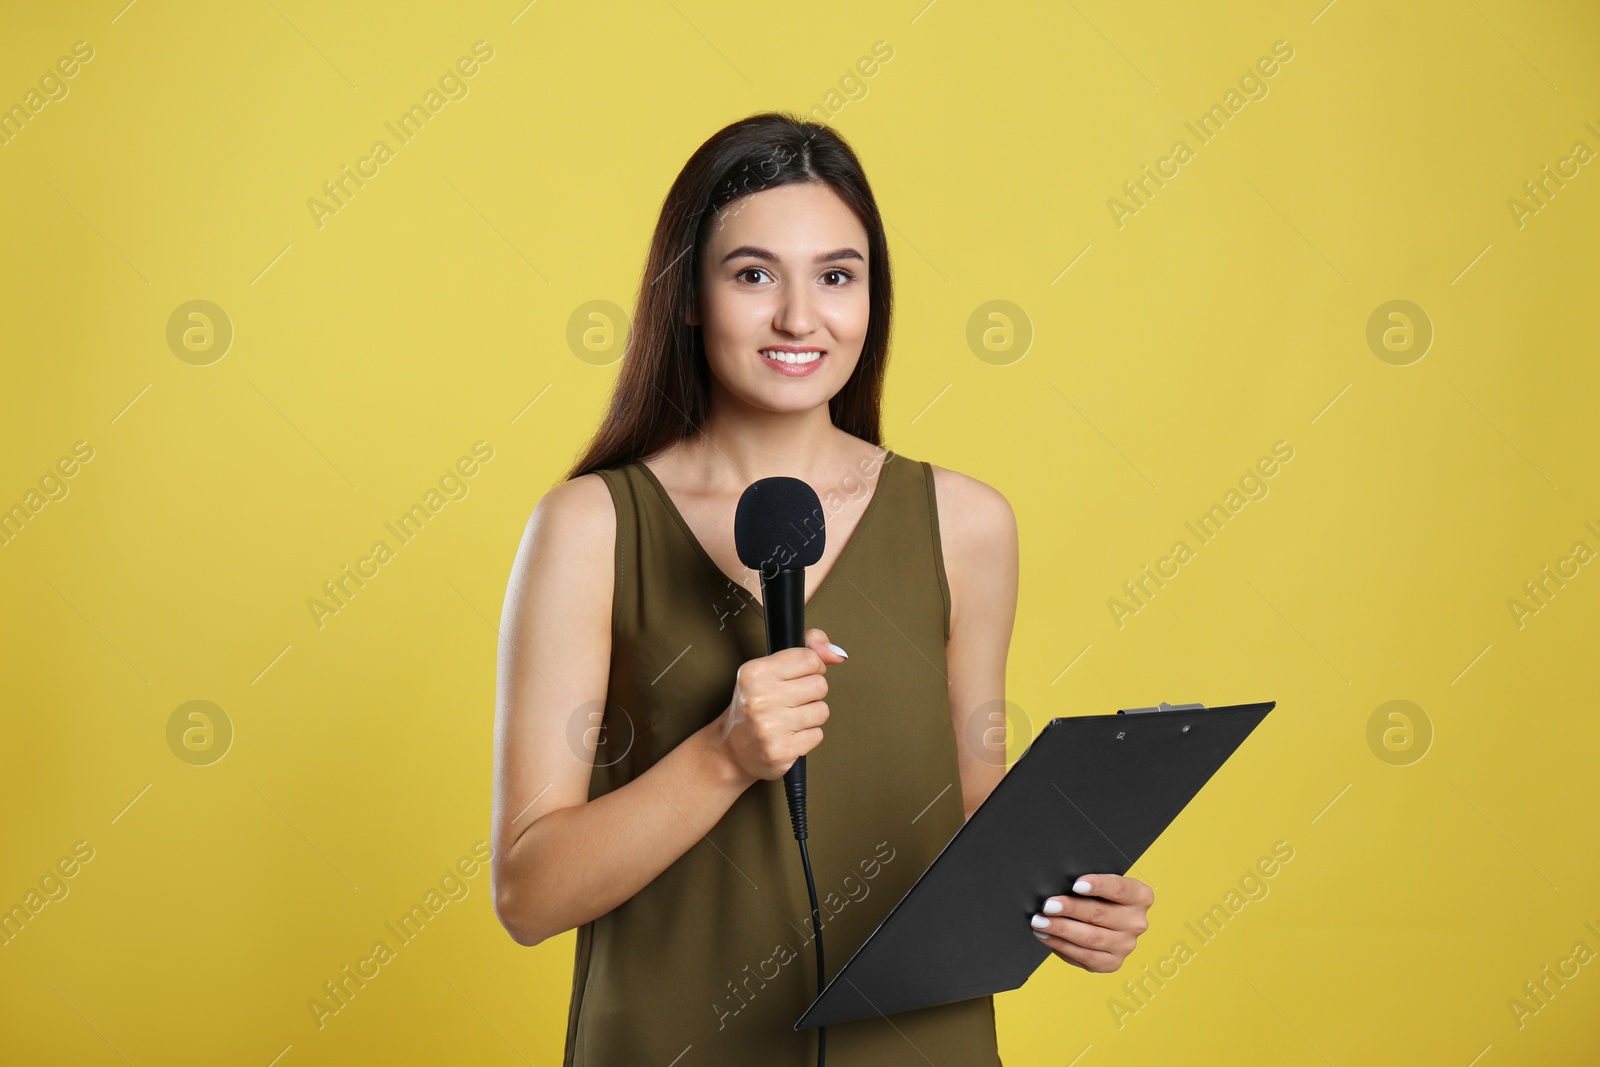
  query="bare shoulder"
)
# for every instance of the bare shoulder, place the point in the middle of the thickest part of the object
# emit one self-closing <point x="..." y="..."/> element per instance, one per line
<point x="975" y="518"/>
<point x="570" y="539"/>
<point x="978" y="539"/>
<point x="580" y="506"/>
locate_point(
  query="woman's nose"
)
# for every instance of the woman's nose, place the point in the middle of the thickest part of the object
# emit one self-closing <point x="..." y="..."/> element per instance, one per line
<point x="795" y="316"/>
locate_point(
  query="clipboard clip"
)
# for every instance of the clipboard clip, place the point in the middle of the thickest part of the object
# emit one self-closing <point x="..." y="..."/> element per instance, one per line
<point x="1163" y="706"/>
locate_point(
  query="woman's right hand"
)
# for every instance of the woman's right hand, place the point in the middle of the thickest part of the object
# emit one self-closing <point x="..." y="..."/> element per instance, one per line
<point x="777" y="710"/>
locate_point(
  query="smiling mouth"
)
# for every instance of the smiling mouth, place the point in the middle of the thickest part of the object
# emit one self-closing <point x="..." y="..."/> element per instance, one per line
<point x="792" y="358"/>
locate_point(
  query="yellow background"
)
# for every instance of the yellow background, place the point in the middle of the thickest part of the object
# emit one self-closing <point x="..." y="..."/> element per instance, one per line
<point x="1230" y="312"/>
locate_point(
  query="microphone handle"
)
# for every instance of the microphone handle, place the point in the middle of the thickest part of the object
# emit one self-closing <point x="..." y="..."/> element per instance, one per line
<point x="784" y="602"/>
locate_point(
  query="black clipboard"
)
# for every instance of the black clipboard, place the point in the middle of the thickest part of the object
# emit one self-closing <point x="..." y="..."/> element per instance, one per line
<point x="1090" y="794"/>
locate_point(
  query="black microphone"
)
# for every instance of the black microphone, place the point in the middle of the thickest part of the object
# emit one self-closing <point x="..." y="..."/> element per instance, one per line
<point x="779" y="531"/>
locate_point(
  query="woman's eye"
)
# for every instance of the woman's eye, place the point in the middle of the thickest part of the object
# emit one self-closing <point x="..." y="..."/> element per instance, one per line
<point x="845" y="276"/>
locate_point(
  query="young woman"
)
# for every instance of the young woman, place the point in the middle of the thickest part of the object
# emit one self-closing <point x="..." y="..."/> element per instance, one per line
<point x="642" y="731"/>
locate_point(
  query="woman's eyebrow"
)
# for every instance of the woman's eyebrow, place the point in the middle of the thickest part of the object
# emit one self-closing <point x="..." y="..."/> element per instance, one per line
<point x="761" y="253"/>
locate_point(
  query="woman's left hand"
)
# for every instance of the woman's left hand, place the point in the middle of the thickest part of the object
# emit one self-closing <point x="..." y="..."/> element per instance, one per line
<point x="1098" y="928"/>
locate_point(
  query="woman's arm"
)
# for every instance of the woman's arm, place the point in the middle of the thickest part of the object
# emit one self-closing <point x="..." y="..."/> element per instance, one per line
<point x="1096" y="928"/>
<point x="560" y="860"/>
<point x="978" y="534"/>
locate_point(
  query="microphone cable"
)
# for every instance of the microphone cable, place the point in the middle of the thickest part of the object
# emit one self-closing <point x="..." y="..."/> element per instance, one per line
<point x="795" y="787"/>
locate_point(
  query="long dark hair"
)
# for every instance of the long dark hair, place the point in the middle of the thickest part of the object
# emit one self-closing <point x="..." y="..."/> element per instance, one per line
<point x="663" y="391"/>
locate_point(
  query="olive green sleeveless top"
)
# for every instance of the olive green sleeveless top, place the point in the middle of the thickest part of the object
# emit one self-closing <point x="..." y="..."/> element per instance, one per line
<point x="713" y="961"/>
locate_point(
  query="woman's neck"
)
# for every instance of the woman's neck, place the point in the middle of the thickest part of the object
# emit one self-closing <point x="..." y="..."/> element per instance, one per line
<point x="735" y="450"/>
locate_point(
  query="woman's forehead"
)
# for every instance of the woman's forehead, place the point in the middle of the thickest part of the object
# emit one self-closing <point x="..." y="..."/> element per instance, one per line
<point x="794" y="222"/>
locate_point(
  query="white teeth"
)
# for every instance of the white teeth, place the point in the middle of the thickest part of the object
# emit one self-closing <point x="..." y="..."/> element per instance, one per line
<point x="792" y="357"/>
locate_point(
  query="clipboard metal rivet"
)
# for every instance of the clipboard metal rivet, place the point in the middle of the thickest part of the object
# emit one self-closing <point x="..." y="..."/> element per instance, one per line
<point x="1186" y="729"/>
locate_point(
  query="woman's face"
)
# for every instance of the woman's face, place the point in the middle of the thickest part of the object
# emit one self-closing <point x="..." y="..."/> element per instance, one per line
<point x="784" y="268"/>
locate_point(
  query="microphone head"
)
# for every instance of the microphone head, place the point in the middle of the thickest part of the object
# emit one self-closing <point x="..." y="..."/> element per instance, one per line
<point x="779" y="526"/>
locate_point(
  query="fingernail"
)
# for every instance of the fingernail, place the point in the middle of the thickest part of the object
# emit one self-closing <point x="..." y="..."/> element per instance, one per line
<point x="837" y="651"/>
<point x="1039" y="935"/>
<point x="1081" y="886"/>
<point x="1039" y="922"/>
<point x="1052" y="906"/>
